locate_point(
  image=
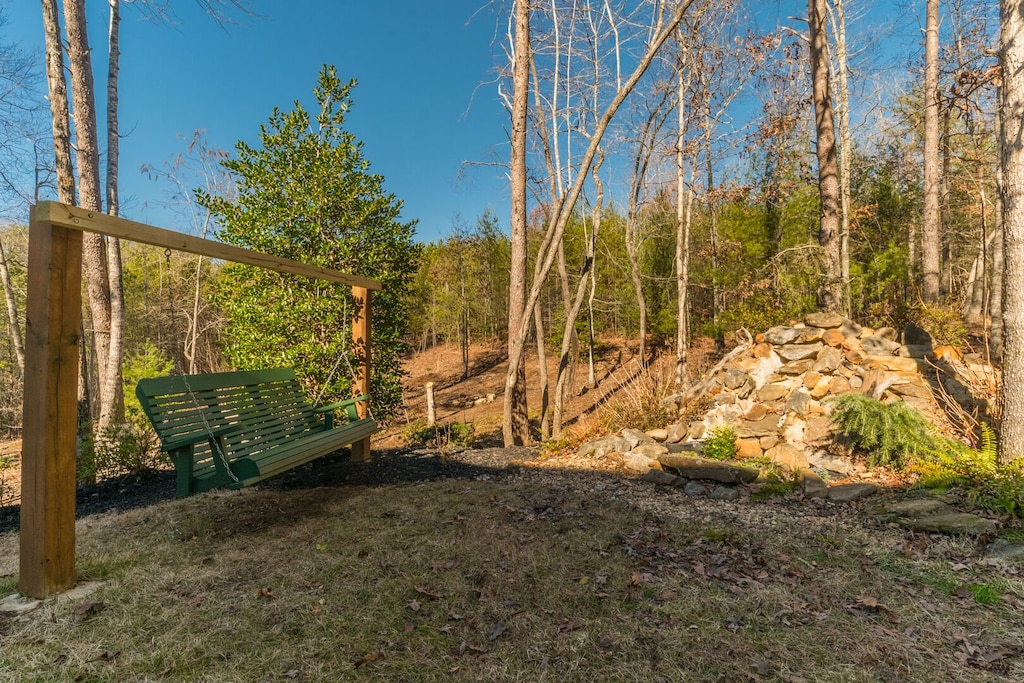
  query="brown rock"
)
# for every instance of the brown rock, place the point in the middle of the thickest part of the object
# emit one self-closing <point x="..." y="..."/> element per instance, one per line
<point x="828" y="360"/>
<point x="838" y="385"/>
<point x="895" y="363"/>
<point x="695" y="430"/>
<point x="703" y="468"/>
<point x="833" y="338"/>
<point x="768" y="441"/>
<point x="772" y="392"/>
<point x="657" y="434"/>
<point x="817" y="429"/>
<point x="650" y="450"/>
<point x="810" y="335"/>
<point x="763" y="427"/>
<point x="748" y="448"/>
<point x="811" y="484"/>
<point x="757" y="412"/>
<point x="855" y="356"/>
<point x="762" y="350"/>
<point x="917" y="389"/>
<point x="781" y="334"/>
<point x="788" y="456"/>
<point x="823" y="320"/>
<point x="811" y="379"/>
<point x="796" y="352"/>
<point x="797" y="368"/>
<point x="820" y="390"/>
<point x="676" y="433"/>
<point x="847" y="493"/>
<point x="889" y="333"/>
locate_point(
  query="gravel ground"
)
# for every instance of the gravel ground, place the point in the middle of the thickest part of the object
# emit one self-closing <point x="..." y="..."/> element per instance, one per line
<point x="389" y="466"/>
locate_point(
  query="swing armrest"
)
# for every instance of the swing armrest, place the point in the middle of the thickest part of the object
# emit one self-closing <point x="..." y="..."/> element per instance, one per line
<point x="349" y="404"/>
<point x="199" y="437"/>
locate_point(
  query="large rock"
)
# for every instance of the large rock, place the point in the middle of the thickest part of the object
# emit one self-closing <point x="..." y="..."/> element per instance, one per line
<point x="676" y="433"/>
<point x="887" y="333"/>
<point x="748" y="448"/>
<point x="797" y="367"/>
<point x="914" y="335"/>
<point x="773" y="392"/>
<point x="781" y="334"/>
<point x="811" y="484"/>
<point x="788" y="456"/>
<point x="635" y="437"/>
<point x="809" y="335"/>
<point x="830" y="463"/>
<point x="795" y="352"/>
<point x="894" y="363"/>
<point x="650" y="450"/>
<point x="930" y="514"/>
<point x="637" y="462"/>
<point x="851" y="329"/>
<point x="828" y="360"/>
<point x="878" y="346"/>
<point x="833" y="337"/>
<point x="662" y="478"/>
<point x="817" y="429"/>
<point x="602" y="447"/>
<point x="748" y="429"/>
<point x="824" y="320"/>
<point x="711" y="470"/>
<point x="657" y="434"/>
<point x="799" y="402"/>
<point x="847" y="493"/>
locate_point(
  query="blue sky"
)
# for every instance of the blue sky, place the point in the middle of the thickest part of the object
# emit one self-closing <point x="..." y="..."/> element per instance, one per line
<point x="424" y="105"/>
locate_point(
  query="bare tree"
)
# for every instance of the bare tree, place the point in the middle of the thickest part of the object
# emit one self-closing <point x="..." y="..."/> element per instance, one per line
<point x="1012" y="143"/>
<point x="930" y="228"/>
<point x="664" y="24"/>
<point x="828" y="168"/>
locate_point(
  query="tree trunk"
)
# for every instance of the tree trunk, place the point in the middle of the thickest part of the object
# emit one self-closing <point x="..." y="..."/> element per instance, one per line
<point x="845" y="147"/>
<point x="12" y="311"/>
<point x="831" y="298"/>
<point x="682" y="254"/>
<point x="1011" y="111"/>
<point x="515" y="425"/>
<point x="577" y="301"/>
<point x="930" y="228"/>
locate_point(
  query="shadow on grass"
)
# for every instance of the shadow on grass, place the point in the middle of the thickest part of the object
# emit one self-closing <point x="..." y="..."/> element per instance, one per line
<point x="388" y="467"/>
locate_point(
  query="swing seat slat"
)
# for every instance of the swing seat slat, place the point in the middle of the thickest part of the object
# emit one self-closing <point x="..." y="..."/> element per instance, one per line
<point x="233" y="429"/>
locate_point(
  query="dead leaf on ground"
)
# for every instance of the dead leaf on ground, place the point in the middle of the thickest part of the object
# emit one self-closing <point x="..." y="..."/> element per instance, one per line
<point x="368" y="658"/>
<point x="427" y="594"/>
<point x="496" y="630"/>
<point x="87" y="610"/>
<point x="414" y="605"/>
<point x="266" y="594"/>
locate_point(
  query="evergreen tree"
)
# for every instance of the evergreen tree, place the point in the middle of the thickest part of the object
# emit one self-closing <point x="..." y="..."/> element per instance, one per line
<point x="307" y="193"/>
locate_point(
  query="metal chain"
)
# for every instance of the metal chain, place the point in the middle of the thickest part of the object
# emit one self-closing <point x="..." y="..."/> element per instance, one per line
<point x="214" y="442"/>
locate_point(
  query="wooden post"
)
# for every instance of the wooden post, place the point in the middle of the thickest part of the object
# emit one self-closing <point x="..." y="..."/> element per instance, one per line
<point x="53" y="324"/>
<point x="361" y="344"/>
<point x="431" y="415"/>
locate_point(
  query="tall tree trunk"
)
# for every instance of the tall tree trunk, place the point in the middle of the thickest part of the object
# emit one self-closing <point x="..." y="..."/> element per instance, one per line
<point x="930" y="228"/>
<point x="542" y="367"/>
<point x="94" y="253"/>
<point x="515" y="424"/>
<point x="12" y="311"/>
<point x="1011" y="111"/>
<point x="577" y="301"/>
<point x="845" y="147"/>
<point x="831" y="298"/>
<point x="682" y="252"/>
<point x="995" y="303"/>
<point x="112" y="377"/>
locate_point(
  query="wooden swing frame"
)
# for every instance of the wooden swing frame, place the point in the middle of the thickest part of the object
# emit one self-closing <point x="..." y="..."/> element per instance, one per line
<point x="53" y="328"/>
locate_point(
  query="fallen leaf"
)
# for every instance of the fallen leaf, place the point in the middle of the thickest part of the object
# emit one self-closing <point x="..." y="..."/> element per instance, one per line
<point x="87" y="610"/>
<point x="368" y="658"/>
<point x="291" y="673"/>
<point x="496" y="630"/>
<point x="409" y="627"/>
<point x="107" y="656"/>
<point x="414" y="605"/>
<point x="265" y="593"/>
<point x="427" y="594"/>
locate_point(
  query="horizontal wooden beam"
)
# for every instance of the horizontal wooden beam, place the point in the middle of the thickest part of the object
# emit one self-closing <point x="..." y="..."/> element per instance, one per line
<point x="66" y="216"/>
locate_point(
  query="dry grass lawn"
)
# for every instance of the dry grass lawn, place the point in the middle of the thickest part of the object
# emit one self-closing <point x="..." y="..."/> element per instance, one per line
<point x="526" y="575"/>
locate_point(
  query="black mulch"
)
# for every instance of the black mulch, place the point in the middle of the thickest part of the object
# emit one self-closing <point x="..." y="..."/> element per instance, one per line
<point x="391" y="466"/>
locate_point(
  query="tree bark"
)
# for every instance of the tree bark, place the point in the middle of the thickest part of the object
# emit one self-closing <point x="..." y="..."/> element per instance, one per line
<point x="845" y="147"/>
<point x="831" y="297"/>
<point x="111" y="377"/>
<point x="930" y="228"/>
<point x="515" y="423"/>
<point x="682" y="252"/>
<point x="1011" y="111"/>
<point x="12" y="311"/>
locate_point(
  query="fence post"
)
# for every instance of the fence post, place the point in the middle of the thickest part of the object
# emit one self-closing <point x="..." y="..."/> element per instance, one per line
<point x="361" y="343"/>
<point x="53" y="314"/>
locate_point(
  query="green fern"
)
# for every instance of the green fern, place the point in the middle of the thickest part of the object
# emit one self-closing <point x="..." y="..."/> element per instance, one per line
<point x="988" y="484"/>
<point x="889" y="433"/>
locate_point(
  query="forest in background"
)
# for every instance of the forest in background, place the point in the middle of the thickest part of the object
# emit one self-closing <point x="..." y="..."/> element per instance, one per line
<point x="669" y="190"/>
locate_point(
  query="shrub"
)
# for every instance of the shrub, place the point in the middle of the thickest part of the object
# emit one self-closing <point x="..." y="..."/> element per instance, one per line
<point x="442" y="437"/>
<point x="720" y="443"/>
<point x="889" y="433"/>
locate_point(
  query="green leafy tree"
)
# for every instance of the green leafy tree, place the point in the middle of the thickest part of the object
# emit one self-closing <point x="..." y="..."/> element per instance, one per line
<point x="307" y="193"/>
